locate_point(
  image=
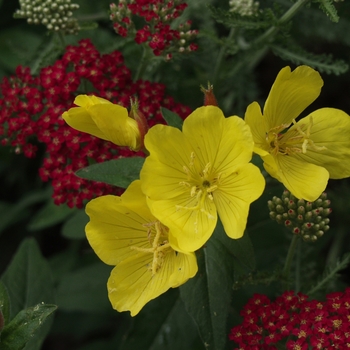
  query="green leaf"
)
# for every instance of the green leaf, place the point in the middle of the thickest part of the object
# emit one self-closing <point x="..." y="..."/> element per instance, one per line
<point x="162" y="324"/>
<point x="172" y="118"/>
<point x="11" y="213"/>
<point x="74" y="228"/>
<point x="29" y="282"/>
<point x="297" y="55"/>
<point x="118" y="172"/>
<point x="207" y="296"/>
<point x="85" y="289"/>
<point x="50" y="215"/>
<point x="22" y="328"/>
<point x="4" y="306"/>
<point x="328" y="8"/>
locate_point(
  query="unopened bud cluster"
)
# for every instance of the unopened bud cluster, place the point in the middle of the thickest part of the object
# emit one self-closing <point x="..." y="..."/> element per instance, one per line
<point x="307" y="219"/>
<point x="56" y="15"/>
<point x="244" y="7"/>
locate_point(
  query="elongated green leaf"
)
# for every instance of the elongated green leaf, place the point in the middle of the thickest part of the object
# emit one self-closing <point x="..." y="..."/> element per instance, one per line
<point x="118" y="172"/>
<point x="74" y="228"/>
<point x="4" y="304"/>
<point x="22" y="328"/>
<point x="29" y="282"/>
<point x="172" y="118"/>
<point x="51" y="214"/>
<point x="207" y="296"/>
<point x="85" y="289"/>
<point x="162" y="324"/>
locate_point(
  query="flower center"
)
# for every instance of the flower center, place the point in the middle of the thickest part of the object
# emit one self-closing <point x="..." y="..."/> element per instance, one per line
<point x="201" y="184"/>
<point x="159" y="245"/>
<point x="287" y="141"/>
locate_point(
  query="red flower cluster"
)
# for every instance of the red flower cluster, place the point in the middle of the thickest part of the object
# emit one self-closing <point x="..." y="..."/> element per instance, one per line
<point x="31" y="109"/>
<point x="295" y="322"/>
<point x="157" y="15"/>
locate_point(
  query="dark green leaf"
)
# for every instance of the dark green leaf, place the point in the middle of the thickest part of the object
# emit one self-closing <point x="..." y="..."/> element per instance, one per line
<point x="207" y="296"/>
<point x="29" y="282"/>
<point x="50" y="215"/>
<point x="162" y="324"/>
<point x="11" y="212"/>
<point x="172" y="118"/>
<point x="4" y="304"/>
<point x="22" y="328"/>
<point x="118" y="172"/>
<point x="85" y="289"/>
<point x="74" y="228"/>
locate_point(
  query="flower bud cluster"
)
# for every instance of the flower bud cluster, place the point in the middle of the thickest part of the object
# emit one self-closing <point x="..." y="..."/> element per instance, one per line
<point x="244" y="7"/>
<point x="56" y="15"/>
<point x="157" y="17"/>
<point x="307" y="219"/>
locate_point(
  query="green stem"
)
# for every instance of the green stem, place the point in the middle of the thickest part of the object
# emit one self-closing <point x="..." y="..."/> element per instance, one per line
<point x="142" y="66"/>
<point x="288" y="262"/>
<point x="62" y="39"/>
<point x="221" y="57"/>
<point x="289" y="14"/>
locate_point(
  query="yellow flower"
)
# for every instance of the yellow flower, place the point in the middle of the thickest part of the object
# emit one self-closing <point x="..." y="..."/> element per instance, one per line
<point x="192" y="175"/>
<point x="123" y="232"/>
<point x="304" y="154"/>
<point x="103" y="119"/>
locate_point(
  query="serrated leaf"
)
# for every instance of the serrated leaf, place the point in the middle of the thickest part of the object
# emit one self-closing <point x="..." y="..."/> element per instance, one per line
<point x="329" y="9"/>
<point x="50" y="215"/>
<point x="23" y="327"/>
<point x="118" y="172"/>
<point x="207" y="296"/>
<point x="29" y="282"/>
<point x="4" y="304"/>
<point x="172" y="118"/>
<point x="74" y="228"/>
<point x="323" y="63"/>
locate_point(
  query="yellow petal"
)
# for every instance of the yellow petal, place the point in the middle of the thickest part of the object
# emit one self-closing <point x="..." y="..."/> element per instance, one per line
<point x="290" y="94"/>
<point x="87" y="101"/>
<point x="222" y="142"/>
<point x="234" y="196"/>
<point x="131" y="284"/>
<point x="304" y="180"/>
<point x="331" y="129"/>
<point x="163" y="170"/>
<point x="256" y="121"/>
<point x="191" y="228"/>
<point x="116" y="223"/>
<point x="79" y="119"/>
<point x="114" y="122"/>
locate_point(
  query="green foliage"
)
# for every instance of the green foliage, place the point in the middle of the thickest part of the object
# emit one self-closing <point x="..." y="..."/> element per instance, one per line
<point x="207" y="296"/>
<point x="330" y="274"/>
<point x="30" y="289"/>
<point x="118" y="172"/>
<point x="329" y="9"/>
<point x="235" y="20"/>
<point x="172" y="118"/>
<point x="24" y="325"/>
<point x="323" y="63"/>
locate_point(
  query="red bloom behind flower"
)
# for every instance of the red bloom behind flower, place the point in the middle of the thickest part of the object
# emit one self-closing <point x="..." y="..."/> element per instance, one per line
<point x="31" y="109"/>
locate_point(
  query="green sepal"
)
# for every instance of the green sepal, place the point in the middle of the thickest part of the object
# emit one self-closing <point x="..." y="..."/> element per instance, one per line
<point x="117" y="172"/>
<point x="22" y="328"/>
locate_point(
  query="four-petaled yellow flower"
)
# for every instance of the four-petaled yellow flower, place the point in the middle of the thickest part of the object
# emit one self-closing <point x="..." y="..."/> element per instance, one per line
<point x="302" y="155"/>
<point x="192" y="175"/>
<point x="104" y="119"/>
<point x="123" y="232"/>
